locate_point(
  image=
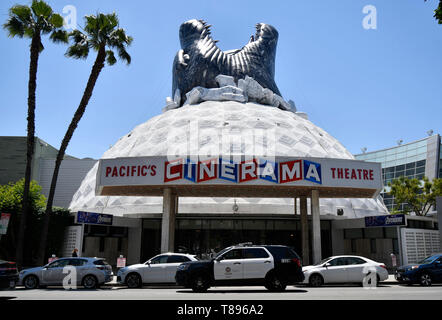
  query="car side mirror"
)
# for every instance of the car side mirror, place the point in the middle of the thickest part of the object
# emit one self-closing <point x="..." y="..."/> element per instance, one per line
<point x="219" y="259"/>
<point x="327" y="265"/>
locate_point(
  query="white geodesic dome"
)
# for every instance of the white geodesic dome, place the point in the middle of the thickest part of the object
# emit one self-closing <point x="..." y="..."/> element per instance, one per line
<point x="258" y="128"/>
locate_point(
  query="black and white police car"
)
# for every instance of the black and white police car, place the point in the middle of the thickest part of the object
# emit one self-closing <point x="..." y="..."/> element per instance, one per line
<point x="272" y="266"/>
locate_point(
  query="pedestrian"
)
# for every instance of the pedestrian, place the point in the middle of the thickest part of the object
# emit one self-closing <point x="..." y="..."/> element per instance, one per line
<point x="74" y="253"/>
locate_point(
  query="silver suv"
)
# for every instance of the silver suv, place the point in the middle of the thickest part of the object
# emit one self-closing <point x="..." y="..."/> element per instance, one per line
<point x="89" y="273"/>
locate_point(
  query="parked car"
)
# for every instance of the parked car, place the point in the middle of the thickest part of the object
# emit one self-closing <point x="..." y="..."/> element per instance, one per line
<point x="343" y="269"/>
<point x="426" y="272"/>
<point x="160" y="269"/>
<point x="8" y="274"/>
<point x="90" y="273"/>
<point x="272" y="266"/>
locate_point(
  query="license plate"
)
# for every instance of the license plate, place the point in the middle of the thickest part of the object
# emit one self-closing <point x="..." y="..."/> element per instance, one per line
<point x="12" y="284"/>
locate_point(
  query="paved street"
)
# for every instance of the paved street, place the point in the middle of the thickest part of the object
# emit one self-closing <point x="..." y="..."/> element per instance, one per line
<point x="347" y="292"/>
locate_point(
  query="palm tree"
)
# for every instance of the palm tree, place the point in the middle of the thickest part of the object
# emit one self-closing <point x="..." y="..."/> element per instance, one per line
<point x="102" y="34"/>
<point x="32" y="22"/>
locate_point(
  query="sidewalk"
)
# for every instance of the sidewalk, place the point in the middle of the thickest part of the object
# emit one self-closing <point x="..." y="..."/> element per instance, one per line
<point x="391" y="280"/>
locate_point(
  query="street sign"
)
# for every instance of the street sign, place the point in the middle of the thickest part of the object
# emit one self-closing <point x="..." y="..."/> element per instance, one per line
<point x="94" y="218"/>
<point x="4" y="222"/>
<point x="393" y="220"/>
<point x="121" y="262"/>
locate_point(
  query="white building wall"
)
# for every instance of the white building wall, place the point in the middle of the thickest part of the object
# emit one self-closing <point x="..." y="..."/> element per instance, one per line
<point x="71" y="174"/>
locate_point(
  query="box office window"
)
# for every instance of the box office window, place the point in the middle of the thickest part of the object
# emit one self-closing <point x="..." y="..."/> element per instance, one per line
<point x="101" y="248"/>
<point x="189" y="224"/>
<point x="373" y="248"/>
<point x="395" y="246"/>
<point x="118" y="231"/>
<point x="94" y="230"/>
<point x="353" y="245"/>
<point x="373" y="233"/>
<point x="253" y="225"/>
<point x="152" y="224"/>
<point x="390" y="233"/>
<point x="221" y="225"/>
<point x="285" y="225"/>
<point x="353" y="234"/>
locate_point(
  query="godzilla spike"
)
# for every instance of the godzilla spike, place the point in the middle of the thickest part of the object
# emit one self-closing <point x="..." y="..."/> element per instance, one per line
<point x="206" y="60"/>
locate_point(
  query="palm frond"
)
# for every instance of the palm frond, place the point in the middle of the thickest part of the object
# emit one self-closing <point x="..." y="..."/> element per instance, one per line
<point x="15" y="27"/>
<point x="101" y="30"/>
<point x="23" y="13"/>
<point x="41" y="9"/>
<point x="77" y="36"/>
<point x="122" y="53"/>
<point x="29" y="32"/>
<point x="91" y="26"/>
<point x="59" y="36"/>
<point x="110" y="57"/>
<point x="119" y="36"/>
<point x="78" y="51"/>
<point x="56" y="20"/>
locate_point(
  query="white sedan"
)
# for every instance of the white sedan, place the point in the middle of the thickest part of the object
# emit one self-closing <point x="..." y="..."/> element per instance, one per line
<point x="344" y="269"/>
<point x="160" y="269"/>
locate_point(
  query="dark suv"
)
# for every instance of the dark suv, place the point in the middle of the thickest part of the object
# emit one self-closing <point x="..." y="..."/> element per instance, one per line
<point x="425" y="272"/>
<point x="272" y="266"/>
<point x="8" y="274"/>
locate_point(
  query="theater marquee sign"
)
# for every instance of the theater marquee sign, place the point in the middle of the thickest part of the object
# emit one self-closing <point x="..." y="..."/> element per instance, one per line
<point x="280" y="172"/>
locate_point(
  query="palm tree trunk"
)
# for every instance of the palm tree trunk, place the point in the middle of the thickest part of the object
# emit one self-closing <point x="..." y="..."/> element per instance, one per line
<point x="32" y="86"/>
<point x="96" y="69"/>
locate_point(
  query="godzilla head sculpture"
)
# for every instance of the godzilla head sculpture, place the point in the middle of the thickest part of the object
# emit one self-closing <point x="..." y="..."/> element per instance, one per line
<point x="200" y="60"/>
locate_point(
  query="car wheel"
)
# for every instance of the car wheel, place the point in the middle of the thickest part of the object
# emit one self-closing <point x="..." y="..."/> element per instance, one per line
<point x="425" y="280"/>
<point x="133" y="280"/>
<point x="274" y="283"/>
<point x="90" y="282"/>
<point x="200" y="283"/>
<point x="316" y="280"/>
<point x="31" y="282"/>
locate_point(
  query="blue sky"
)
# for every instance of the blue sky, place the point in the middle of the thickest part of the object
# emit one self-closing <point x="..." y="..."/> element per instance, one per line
<point x="367" y="88"/>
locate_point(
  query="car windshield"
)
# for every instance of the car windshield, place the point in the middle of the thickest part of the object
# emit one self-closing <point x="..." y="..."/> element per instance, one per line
<point x="222" y="252"/>
<point x="427" y="260"/>
<point x="322" y="262"/>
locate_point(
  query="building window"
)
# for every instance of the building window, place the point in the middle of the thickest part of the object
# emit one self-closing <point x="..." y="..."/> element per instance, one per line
<point x="395" y="246"/>
<point x="353" y="245"/>
<point x="372" y="245"/>
<point x="353" y="233"/>
<point x="101" y="249"/>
